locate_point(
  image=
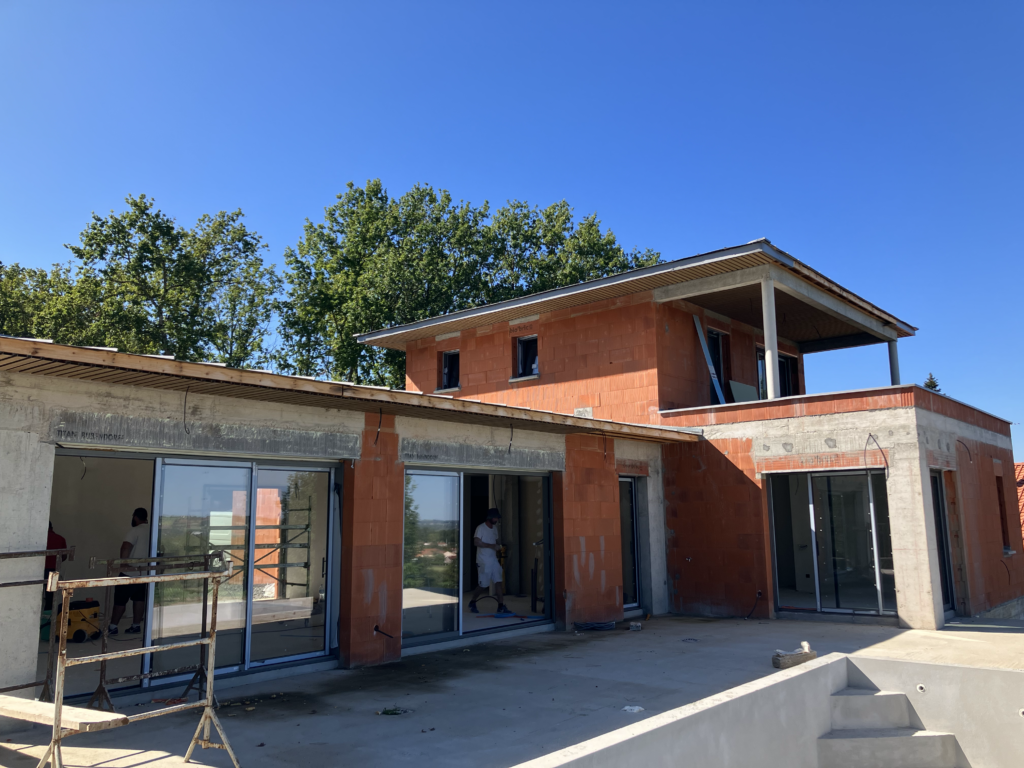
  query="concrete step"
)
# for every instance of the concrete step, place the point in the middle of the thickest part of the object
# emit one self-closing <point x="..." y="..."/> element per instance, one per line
<point x="887" y="748"/>
<point x="860" y="708"/>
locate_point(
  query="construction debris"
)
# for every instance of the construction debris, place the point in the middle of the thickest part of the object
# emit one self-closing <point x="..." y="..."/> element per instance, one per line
<point x="787" y="659"/>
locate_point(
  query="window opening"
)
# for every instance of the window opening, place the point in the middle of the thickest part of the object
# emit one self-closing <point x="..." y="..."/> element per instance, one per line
<point x="449" y="370"/>
<point x="527" y="358"/>
<point x="789" y="380"/>
<point x="718" y="348"/>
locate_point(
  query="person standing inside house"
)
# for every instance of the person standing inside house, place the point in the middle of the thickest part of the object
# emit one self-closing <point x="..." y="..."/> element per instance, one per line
<point x="135" y="544"/>
<point x="485" y="539"/>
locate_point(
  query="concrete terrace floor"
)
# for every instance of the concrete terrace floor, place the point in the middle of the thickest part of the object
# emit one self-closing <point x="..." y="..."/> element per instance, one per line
<point x="508" y="701"/>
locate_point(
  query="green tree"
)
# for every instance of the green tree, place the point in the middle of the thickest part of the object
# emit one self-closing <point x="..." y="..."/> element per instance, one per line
<point x="932" y="383"/>
<point x="198" y="294"/>
<point x="376" y="262"/>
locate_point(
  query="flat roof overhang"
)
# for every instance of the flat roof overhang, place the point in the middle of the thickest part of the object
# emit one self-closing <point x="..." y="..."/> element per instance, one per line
<point x="40" y="358"/>
<point x="813" y="312"/>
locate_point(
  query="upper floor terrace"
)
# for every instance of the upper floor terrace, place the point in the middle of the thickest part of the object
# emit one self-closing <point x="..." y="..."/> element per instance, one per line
<point x="732" y="325"/>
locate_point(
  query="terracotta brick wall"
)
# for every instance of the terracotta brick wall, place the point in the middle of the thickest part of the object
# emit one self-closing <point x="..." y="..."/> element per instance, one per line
<point x="371" y="549"/>
<point x="626" y="358"/>
<point x="716" y="530"/>
<point x="992" y="578"/>
<point x="587" y="534"/>
<point x="601" y="356"/>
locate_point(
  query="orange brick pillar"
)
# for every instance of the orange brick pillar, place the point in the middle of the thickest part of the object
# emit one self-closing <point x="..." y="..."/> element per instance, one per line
<point x="587" y="535"/>
<point x="371" y="549"/>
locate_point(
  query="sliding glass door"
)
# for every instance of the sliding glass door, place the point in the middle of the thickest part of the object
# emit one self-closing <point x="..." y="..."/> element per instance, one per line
<point x="202" y="509"/>
<point x="430" y="559"/>
<point x="273" y="524"/>
<point x="831" y="542"/>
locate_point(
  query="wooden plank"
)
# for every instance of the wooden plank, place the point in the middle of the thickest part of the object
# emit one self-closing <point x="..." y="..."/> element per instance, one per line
<point x="73" y="718"/>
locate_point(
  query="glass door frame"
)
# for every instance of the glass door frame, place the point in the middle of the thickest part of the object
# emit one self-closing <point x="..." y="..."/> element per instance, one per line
<point x="448" y="635"/>
<point x="254" y="466"/>
<point x="548" y="502"/>
<point x="881" y="611"/>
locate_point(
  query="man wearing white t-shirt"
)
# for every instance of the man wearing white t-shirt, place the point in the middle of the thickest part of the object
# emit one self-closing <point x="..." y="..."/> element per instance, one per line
<point x="134" y="545"/>
<point x="488" y="569"/>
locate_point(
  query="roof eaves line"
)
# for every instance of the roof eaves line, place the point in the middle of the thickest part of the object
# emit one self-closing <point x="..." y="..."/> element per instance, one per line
<point x="688" y="262"/>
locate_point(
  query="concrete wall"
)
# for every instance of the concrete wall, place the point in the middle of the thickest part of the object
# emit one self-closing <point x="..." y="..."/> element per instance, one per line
<point x="982" y="707"/>
<point x="25" y="478"/>
<point x="719" y="544"/>
<point x="38" y="413"/>
<point x="773" y="721"/>
<point x="978" y="458"/>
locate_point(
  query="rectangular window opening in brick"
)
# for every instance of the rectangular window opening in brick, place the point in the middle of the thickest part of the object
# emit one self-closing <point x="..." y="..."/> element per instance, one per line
<point x="527" y="363"/>
<point x="449" y="370"/>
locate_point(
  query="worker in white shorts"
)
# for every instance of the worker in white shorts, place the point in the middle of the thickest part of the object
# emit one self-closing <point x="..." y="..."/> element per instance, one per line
<point x="485" y="539"/>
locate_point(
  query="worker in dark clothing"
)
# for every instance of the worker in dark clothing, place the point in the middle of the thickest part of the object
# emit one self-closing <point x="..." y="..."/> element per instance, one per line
<point x="134" y="545"/>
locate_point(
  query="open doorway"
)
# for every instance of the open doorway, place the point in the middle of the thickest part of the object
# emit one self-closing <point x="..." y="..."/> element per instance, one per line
<point x="522" y="535"/>
<point x="91" y="507"/>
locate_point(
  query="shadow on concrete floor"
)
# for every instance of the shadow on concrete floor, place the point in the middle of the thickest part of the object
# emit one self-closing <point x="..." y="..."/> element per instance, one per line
<point x="499" y="703"/>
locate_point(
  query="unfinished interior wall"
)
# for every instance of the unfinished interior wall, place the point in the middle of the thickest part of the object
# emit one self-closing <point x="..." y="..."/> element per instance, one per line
<point x="587" y="537"/>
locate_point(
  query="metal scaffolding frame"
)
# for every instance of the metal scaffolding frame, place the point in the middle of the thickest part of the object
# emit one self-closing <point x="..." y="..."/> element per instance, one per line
<point x="207" y="702"/>
<point x="101" y="697"/>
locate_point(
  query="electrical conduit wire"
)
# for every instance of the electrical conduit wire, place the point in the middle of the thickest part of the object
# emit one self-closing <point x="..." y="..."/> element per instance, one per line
<point x="884" y="458"/>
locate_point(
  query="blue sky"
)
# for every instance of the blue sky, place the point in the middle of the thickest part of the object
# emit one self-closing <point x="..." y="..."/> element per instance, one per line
<point x="879" y="142"/>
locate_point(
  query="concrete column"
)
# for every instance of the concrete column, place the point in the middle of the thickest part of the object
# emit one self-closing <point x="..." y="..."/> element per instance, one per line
<point x="894" y="363"/>
<point x="771" y="340"/>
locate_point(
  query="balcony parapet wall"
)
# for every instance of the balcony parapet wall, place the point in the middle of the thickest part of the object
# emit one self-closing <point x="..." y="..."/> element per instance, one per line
<point x="881" y="398"/>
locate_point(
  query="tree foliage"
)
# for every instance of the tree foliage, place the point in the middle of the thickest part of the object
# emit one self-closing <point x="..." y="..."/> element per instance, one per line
<point x="144" y="284"/>
<point x="376" y="261"/>
<point x="932" y="383"/>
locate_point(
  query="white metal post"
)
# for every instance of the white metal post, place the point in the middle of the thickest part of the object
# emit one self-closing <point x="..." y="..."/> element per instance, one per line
<point x="894" y="363"/>
<point x="771" y="340"/>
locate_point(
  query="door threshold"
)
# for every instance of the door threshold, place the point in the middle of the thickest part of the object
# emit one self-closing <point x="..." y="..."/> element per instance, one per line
<point x="467" y="640"/>
<point x="841" y="618"/>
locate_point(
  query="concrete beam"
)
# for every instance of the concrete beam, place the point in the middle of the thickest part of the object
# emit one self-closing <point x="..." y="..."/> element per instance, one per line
<point x="839" y="342"/>
<point x="809" y="294"/>
<point x="705" y="285"/>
